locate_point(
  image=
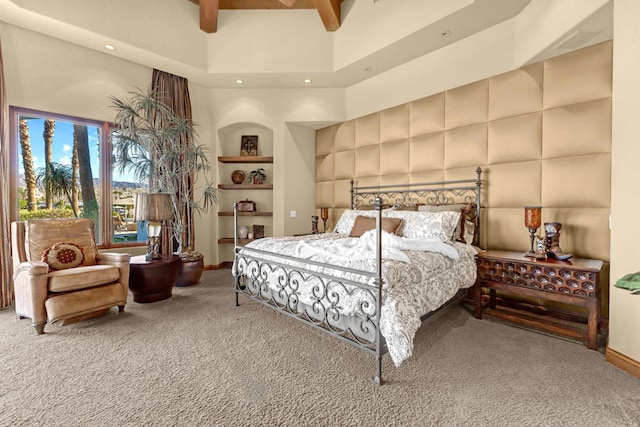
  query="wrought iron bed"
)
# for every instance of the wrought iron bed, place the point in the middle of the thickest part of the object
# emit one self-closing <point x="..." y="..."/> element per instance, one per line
<point x="275" y="280"/>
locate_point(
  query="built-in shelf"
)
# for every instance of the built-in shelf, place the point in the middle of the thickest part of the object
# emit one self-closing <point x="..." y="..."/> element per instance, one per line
<point x="245" y="186"/>
<point x="246" y="213"/>
<point x="245" y="159"/>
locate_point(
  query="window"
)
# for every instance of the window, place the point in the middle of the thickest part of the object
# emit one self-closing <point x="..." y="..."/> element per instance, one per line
<point x="61" y="168"/>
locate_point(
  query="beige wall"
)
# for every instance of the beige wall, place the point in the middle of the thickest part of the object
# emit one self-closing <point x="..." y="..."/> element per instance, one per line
<point x="624" y="334"/>
<point x="79" y="82"/>
<point x="542" y="135"/>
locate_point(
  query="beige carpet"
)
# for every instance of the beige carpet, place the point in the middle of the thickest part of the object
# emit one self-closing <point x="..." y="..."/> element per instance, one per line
<point x="196" y="360"/>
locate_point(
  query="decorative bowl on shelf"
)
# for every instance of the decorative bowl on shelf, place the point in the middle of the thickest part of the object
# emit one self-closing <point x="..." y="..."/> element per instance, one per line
<point x="237" y="176"/>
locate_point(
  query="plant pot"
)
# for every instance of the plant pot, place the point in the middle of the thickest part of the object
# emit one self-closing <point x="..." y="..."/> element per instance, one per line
<point x="190" y="272"/>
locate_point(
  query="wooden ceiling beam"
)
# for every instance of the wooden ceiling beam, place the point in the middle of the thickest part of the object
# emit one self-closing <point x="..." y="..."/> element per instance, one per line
<point x="209" y="15"/>
<point x="288" y="3"/>
<point x="329" y="11"/>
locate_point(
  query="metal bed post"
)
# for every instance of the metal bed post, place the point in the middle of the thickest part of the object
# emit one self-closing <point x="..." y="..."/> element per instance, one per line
<point x="478" y="202"/>
<point x="378" y="283"/>
<point x="235" y="247"/>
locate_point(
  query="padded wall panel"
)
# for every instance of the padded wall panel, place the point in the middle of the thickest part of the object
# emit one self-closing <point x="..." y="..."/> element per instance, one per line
<point x="505" y="229"/>
<point x="465" y="146"/>
<point x="367" y="130"/>
<point x="516" y="92"/>
<point x="324" y="140"/>
<point x="542" y="135"/>
<point x="514" y="185"/>
<point x="345" y="136"/>
<point x="426" y="115"/>
<point x="579" y="76"/>
<point x="324" y="194"/>
<point x="515" y="139"/>
<point x="577" y="129"/>
<point x="427" y="176"/>
<point x="342" y="193"/>
<point x="426" y="152"/>
<point x="466" y="105"/>
<point x="367" y="161"/>
<point x="394" y="123"/>
<point x="585" y="232"/>
<point x="578" y="182"/>
<point x="401" y="178"/>
<point x="344" y="165"/>
<point x="394" y="157"/>
<point x="324" y="168"/>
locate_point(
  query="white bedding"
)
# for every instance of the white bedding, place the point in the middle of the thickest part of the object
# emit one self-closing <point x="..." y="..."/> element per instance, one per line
<point x="416" y="281"/>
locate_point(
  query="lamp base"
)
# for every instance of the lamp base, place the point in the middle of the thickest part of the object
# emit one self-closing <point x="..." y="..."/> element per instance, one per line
<point x="530" y="254"/>
<point x="152" y="248"/>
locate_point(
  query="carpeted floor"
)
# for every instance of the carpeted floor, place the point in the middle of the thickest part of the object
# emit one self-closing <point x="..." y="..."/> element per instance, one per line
<point x="196" y="360"/>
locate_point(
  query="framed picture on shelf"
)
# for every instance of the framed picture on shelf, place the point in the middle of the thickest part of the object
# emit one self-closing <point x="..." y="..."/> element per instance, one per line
<point x="249" y="145"/>
<point x="258" y="231"/>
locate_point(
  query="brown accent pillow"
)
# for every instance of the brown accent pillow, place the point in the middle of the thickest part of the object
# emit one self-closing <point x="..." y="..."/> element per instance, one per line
<point x="62" y="256"/>
<point x="363" y="224"/>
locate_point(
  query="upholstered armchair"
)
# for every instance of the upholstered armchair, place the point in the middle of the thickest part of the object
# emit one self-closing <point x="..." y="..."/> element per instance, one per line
<point x="59" y="275"/>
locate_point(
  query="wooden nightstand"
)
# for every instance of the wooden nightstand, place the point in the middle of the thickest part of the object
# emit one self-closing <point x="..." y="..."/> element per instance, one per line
<point x="574" y="282"/>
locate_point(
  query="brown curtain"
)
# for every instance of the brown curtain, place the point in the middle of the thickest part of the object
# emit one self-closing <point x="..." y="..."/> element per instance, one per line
<point x="174" y="91"/>
<point x="6" y="286"/>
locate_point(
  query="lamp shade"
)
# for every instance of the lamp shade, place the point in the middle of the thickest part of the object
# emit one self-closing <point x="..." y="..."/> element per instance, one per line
<point x="153" y="207"/>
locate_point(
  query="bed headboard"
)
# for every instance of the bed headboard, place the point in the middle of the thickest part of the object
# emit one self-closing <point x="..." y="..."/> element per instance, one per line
<point x="437" y="193"/>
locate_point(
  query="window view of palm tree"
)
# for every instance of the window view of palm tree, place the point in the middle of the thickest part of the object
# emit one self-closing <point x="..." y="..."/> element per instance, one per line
<point x="59" y="175"/>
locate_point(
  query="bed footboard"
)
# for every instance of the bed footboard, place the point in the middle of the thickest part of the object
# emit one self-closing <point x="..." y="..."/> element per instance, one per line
<point x="342" y="302"/>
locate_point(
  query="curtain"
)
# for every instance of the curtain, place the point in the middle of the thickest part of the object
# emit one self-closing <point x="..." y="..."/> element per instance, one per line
<point x="6" y="286"/>
<point x="174" y="91"/>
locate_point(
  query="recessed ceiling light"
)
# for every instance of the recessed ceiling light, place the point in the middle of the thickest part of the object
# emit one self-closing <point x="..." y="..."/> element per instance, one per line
<point x="109" y="47"/>
<point x="239" y="81"/>
<point x="307" y="80"/>
<point x="445" y="33"/>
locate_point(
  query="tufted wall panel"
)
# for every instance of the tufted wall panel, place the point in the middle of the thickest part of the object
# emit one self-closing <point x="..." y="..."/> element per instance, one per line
<point x="541" y="133"/>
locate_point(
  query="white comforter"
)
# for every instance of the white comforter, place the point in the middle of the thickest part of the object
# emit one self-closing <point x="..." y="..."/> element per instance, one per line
<point x="419" y="276"/>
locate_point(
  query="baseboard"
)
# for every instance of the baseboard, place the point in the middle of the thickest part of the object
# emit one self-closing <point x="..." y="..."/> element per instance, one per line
<point x="623" y="362"/>
<point x="222" y="265"/>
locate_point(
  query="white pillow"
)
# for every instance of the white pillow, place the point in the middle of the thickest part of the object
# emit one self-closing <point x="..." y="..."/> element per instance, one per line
<point x="427" y="225"/>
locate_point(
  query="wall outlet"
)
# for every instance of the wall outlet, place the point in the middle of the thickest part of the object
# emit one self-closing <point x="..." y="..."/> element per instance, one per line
<point x="294" y="214"/>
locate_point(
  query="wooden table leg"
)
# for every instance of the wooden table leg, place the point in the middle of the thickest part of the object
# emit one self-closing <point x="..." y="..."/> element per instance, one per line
<point x="477" y="300"/>
<point x="492" y="298"/>
<point x="593" y="323"/>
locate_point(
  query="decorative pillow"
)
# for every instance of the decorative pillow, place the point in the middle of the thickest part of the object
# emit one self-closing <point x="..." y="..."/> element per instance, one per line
<point x="62" y="256"/>
<point x="348" y="218"/>
<point x="427" y="225"/>
<point x="363" y="224"/>
<point x="467" y="211"/>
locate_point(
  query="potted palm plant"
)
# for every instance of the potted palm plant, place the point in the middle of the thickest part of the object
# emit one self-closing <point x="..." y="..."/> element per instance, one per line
<point x="160" y="147"/>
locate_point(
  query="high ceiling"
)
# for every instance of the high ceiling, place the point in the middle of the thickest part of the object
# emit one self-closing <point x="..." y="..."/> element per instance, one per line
<point x="332" y="43"/>
<point x="329" y="10"/>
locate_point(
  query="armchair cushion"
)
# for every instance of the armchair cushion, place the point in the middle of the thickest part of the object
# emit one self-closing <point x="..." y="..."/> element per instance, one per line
<point x="62" y="256"/>
<point x="82" y="277"/>
<point x="40" y="235"/>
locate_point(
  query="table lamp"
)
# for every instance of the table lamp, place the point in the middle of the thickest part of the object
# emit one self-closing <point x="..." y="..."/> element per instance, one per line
<point x="532" y="220"/>
<point x="153" y="208"/>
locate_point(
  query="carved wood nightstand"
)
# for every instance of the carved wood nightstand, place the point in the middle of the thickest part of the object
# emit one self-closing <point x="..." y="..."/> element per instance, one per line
<point x="573" y="282"/>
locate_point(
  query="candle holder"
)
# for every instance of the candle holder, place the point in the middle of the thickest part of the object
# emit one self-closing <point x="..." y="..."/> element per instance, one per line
<point x="324" y="214"/>
<point x="532" y="220"/>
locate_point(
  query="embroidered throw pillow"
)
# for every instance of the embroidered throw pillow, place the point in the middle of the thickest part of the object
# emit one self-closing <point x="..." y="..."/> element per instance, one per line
<point x="62" y="256"/>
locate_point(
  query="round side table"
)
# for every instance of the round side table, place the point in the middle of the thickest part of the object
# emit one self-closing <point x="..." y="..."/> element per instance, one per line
<point x="151" y="281"/>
